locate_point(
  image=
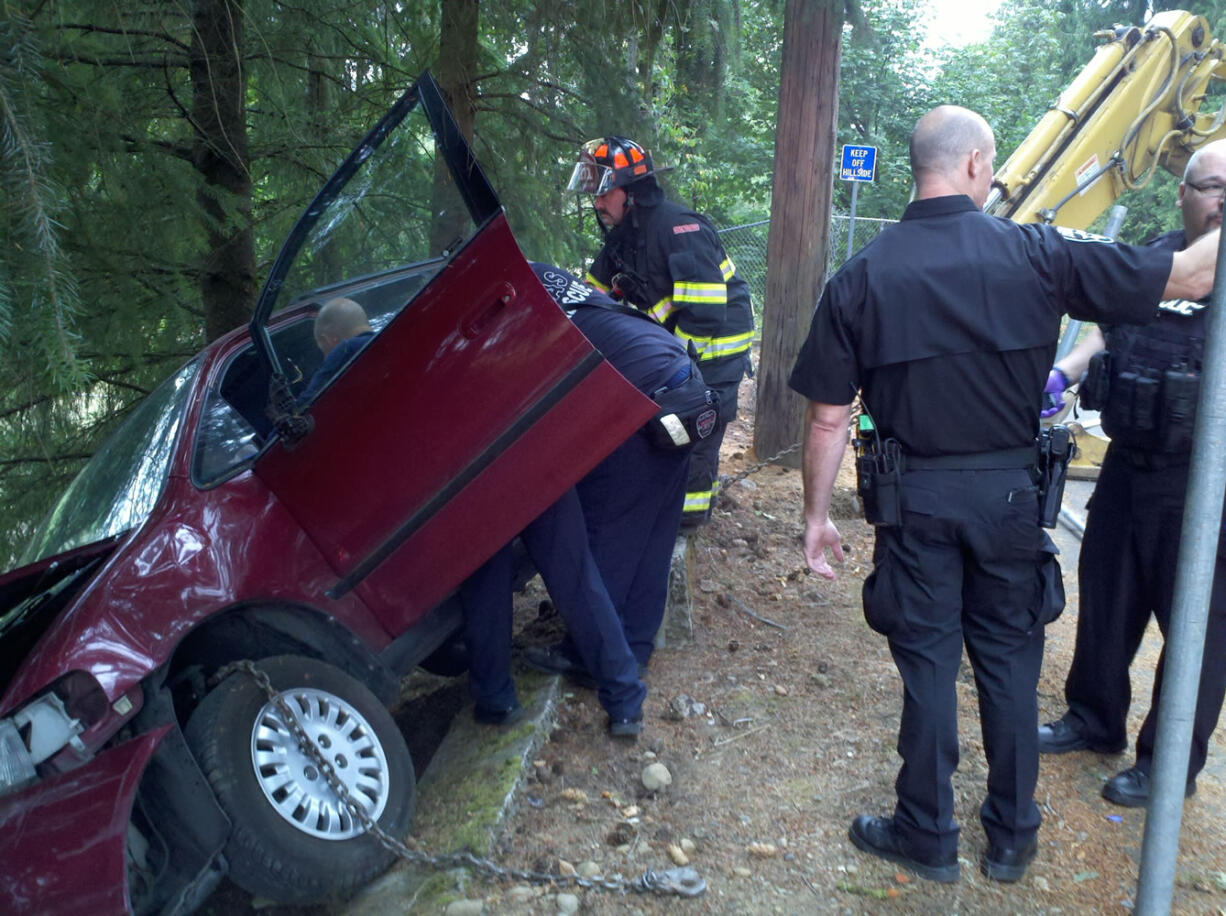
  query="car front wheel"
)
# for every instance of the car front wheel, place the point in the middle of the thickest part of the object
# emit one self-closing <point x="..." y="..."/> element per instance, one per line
<point x="292" y="840"/>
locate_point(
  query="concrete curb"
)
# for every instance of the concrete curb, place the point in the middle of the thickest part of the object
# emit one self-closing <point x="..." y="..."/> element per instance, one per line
<point x="463" y="798"/>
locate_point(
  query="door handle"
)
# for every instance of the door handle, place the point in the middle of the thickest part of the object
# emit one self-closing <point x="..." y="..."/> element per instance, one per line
<point x="473" y="326"/>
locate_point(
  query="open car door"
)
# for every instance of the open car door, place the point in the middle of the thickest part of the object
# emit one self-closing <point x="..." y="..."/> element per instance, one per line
<point x="475" y="405"/>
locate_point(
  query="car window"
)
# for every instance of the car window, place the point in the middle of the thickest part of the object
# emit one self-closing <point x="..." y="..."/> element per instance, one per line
<point x="120" y="485"/>
<point x="394" y="224"/>
<point x="394" y="218"/>
<point x="225" y="441"/>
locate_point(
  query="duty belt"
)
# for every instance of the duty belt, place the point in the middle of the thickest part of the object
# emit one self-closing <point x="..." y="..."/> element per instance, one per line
<point x="1005" y="459"/>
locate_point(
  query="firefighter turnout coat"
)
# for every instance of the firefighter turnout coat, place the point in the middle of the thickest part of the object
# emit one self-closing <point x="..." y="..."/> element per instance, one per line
<point x="668" y="261"/>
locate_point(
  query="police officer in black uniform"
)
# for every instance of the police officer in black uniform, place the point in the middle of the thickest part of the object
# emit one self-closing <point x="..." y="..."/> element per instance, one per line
<point x="947" y="315"/>
<point x="668" y="261"/>
<point x="632" y="500"/>
<point x="1145" y="384"/>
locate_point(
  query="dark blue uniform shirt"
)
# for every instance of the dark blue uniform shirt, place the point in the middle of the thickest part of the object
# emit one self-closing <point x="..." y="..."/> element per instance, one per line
<point x="637" y="346"/>
<point x="336" y="358"/>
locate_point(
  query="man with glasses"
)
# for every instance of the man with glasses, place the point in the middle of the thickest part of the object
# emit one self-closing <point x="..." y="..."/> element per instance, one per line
<point x="942" y="307"/>
<point x="1145" y="383"/>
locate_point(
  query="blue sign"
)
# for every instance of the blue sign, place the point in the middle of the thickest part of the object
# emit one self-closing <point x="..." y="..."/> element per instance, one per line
<point x="859" y="163"/>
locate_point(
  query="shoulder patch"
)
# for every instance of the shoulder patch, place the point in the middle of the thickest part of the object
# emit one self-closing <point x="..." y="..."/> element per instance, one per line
<point x="1184" y="307"/>
<point x="566" y="289"/>
<point x="685" y="227"/>
<point x="1080" y="235"/>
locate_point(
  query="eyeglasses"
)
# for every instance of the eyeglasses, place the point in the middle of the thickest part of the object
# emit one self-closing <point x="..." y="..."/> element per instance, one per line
<point x="1213" y="190"/>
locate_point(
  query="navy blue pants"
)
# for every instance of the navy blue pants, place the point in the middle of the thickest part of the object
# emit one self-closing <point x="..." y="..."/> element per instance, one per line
<point x="557" y="544"/>
<point x="1127" y="572"/>
<point x="969" y="563"/>
<point x="632" y="505"/>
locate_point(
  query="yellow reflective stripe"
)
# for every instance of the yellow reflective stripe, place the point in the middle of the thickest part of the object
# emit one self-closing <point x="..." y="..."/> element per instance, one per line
<point x="701" y="293"/>
<point x="592" y="281"/>
<point x="715" y="347"/>
<point x="662" y="309"/>
<point x="697" y="502"/>
<point x="728" y="269"/>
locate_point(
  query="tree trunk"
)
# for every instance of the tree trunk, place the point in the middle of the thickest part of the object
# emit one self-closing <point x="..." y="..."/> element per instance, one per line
<point x="219" y="154"/>
<point x="800" y="211"/>
<point x="457" y="65"/>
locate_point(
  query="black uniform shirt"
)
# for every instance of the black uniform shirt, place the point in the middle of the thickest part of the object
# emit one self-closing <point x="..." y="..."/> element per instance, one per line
<point x="636" y="345"/>
<point x="948" y="322"/>
<point x="1176" y="317"/>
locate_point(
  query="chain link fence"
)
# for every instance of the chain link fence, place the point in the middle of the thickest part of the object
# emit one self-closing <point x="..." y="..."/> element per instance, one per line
<point x="746" y="246"/>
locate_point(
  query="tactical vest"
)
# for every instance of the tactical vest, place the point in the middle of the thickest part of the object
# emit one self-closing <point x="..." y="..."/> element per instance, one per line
<point x="1145" y="384"/>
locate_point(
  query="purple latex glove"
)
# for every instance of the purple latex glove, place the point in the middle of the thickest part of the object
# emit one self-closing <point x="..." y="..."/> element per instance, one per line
<point x="1057" y="381"/>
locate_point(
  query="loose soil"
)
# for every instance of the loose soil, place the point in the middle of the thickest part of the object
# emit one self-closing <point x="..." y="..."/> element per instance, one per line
<point x="778" y="724"/>
<point x="798" y="736"/>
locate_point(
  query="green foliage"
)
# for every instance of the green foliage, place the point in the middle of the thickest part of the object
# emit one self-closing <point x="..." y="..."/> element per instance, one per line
<point x="38" y="293"/>
<point x="104" y="236"/>
<point x="882" y="92"/>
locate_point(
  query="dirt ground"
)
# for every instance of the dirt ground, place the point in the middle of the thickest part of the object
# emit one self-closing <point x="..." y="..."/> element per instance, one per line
<point x="778" y="725"/>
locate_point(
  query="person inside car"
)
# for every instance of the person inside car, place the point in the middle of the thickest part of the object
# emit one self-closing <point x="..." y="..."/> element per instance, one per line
<point x="341" y="330"/>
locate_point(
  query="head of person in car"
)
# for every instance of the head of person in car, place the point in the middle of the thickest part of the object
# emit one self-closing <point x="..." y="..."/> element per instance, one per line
<point x="339" y="320"/>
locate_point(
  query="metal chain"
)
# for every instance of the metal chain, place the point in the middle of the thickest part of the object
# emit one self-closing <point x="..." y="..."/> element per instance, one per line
<point x="727" y="481"/>
<point x="683" y="882"/>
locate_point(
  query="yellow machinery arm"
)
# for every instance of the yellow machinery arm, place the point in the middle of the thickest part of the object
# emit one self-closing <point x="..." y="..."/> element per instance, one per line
<point x="1135" y="106"/>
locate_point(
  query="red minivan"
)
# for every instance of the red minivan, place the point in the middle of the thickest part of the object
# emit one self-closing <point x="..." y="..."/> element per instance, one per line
<point x="226" y="520"/>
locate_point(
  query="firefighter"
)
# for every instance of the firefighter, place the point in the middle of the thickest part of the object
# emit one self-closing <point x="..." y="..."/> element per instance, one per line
<point x="667" y="260"/>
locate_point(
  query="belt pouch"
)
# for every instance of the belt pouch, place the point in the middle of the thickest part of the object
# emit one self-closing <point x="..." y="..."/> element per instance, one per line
<point x="879" y="491"/>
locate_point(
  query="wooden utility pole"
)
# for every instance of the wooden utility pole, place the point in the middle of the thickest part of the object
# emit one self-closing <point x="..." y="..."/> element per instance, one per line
<point x="800" y="211"/>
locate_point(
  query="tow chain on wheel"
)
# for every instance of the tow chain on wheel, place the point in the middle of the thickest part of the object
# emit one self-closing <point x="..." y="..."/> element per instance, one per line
<point x="682" y="882"/>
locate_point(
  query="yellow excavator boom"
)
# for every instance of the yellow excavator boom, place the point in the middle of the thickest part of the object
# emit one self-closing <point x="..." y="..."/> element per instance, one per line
<point x="1135" y="106"/>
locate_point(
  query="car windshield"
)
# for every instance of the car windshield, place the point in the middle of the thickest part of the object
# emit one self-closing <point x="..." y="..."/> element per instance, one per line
<point x="120" y="485"/>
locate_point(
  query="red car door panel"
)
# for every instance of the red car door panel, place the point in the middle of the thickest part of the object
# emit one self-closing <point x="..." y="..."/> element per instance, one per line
<point x="471" y="412"/>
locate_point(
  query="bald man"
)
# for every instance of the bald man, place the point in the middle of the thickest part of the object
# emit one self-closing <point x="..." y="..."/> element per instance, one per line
<point x="341" y="330"/>
<point x="1129" y="554"/>
<point x="947" y="315"/>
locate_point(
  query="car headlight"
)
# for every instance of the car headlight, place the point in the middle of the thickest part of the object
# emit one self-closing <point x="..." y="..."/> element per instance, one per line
<point x="16" y="764"/>
<point x="45" y="726"/>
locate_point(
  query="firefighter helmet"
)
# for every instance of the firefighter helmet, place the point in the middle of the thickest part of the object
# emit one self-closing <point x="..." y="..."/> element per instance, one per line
<point x="607" y="163"/>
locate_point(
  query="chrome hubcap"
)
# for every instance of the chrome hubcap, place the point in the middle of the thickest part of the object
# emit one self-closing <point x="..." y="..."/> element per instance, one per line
<point x="294" y="784"/>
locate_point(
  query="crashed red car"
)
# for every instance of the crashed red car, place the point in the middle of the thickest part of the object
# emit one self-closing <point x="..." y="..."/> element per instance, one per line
<point x="323" y="541"/>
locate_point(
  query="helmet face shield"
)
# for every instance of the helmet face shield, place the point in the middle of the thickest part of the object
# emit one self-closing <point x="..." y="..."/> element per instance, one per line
<point x="607" y="163"/>
<point x="590" y="177"/>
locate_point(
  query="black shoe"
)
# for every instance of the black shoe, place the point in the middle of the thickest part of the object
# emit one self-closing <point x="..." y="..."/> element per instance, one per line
<point x="1066" y="735"/>
<point x="626" y="728"/>
<point x="1008" y="865"/>
<point x="489" y="716"/>
<point x="553" y="660"/>
<point x="877" y="836"/>
<point x="1130" y="788"/>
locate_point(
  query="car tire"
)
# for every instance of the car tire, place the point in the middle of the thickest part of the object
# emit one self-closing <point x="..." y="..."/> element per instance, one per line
<point x="290" y="841"/>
